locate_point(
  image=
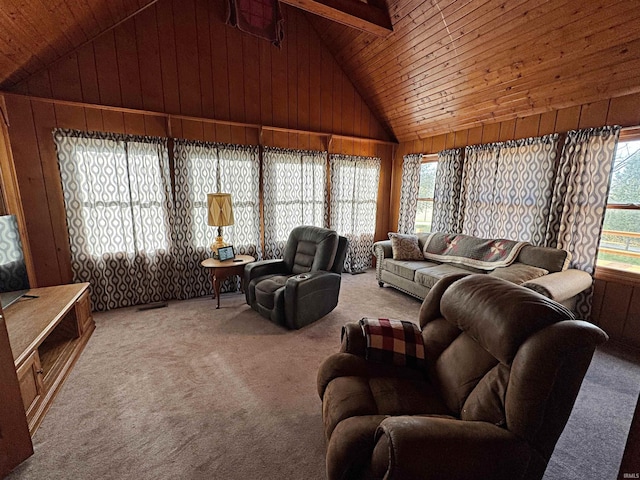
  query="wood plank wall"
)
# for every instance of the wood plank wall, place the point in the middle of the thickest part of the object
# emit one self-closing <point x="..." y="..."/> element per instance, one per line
<point x="616" y="305"/>
<point x="616" y="296"/>
<point x="32" y="121"/>
<point x="178" y="57"/>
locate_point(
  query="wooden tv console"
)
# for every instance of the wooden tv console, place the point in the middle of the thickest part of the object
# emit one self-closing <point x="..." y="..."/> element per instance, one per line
<point x="47" y="335"/>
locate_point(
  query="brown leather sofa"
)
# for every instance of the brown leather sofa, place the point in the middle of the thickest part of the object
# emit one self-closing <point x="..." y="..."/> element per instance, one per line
<point x="503" y="368"/>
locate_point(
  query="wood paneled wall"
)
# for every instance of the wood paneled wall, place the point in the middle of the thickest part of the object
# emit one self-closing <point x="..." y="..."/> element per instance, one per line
<point x="178" y="57"/>
<point x="32" y="121"/>
<point x="617" y="305"/>
<point x="34" y="33"/>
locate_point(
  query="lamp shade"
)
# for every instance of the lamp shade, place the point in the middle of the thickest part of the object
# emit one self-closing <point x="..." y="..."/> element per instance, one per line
<point x="220" y="209"/>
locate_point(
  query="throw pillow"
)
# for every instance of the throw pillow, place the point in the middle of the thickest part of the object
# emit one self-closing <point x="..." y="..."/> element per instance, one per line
<point x="518" y="273"/>
<point x="405" y="247"/>
<point x="394" y="342"/>
<point x="552" y="259"/>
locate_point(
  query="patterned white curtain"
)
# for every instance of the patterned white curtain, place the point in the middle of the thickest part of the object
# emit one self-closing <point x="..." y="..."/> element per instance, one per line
<point x="477" y="193"/>
<point x="202" y="168"/>
<point x="524" y="181"/>
<point x="117" y="193"/>
<point x="354" y="194"/>
<point x="409" y="193"/>
<point x="294" y="193"/>
<point x="506" y="189"/>
<point x="446" y="196"/>
<point x="580" y="197"/>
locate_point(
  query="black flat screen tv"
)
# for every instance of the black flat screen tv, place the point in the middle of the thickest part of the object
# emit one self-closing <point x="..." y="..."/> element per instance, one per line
<point x="14" y="282"/>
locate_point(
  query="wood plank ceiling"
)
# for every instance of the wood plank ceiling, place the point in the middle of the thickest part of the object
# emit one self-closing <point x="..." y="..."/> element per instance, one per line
<point x="448" y="65"/>
<point x="36" y="33"/>
<point x="455" y="64"/>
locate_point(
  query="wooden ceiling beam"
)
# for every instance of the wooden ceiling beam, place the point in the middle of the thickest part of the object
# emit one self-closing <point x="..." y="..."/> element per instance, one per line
<point x="370" y="18"/>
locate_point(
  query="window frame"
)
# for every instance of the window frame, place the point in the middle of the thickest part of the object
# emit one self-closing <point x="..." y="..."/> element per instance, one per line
<point x="607" y="272"/>
<point x="426" y="158"/>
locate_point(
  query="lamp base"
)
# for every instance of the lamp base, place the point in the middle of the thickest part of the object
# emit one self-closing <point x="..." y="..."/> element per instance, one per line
<point x="219" y="243"/>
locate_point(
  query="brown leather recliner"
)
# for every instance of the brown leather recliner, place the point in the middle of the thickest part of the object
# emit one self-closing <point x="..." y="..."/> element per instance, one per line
<point x="503" y="369"/>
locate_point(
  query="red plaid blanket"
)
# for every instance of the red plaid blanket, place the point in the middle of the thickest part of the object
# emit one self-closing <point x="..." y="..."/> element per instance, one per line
<point x="393" y="341"/>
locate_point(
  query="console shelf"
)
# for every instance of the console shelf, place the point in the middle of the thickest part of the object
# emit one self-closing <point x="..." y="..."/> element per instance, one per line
<point x="47" y="335"/>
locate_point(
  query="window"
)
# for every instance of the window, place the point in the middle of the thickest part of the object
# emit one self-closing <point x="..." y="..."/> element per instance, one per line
<point x="295" y="193"/>
<point x="620" y="241"/>
<point x="121" y="190"/>
<point x="354" y="198"/>
<point x="424" y="212"/>
<point x="202" y="168"/>
<point x="119" y="208"/>
<point x="506" y="189"/>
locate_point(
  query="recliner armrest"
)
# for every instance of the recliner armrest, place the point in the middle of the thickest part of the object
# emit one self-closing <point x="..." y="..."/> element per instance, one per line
<point x="561" y="286"/>
<point x="262" y="268"/>
<point x="351" y="362"/>
<point x="340" y="365"/>
<point x="410" y="447"/>
<point x="306" y="283"/>
<point x="307" y="294"/>
<point x="353" y="340"/>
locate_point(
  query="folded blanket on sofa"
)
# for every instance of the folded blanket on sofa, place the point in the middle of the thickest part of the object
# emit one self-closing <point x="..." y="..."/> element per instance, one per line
<point x="484" y="254"/>
<point x="394" y="342"/>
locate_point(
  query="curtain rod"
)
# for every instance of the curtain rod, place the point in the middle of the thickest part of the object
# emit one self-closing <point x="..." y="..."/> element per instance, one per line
<point x="170" y="116"/>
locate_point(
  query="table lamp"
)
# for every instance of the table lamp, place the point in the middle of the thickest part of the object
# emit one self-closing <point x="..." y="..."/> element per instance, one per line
<point x="220" y="215"/>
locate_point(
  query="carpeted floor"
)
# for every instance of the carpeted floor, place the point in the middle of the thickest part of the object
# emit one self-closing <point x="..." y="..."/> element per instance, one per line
<point x="190" y="392"/>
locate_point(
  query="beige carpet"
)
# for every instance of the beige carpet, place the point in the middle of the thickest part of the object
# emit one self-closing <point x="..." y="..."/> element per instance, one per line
<point x="190" y="392"/>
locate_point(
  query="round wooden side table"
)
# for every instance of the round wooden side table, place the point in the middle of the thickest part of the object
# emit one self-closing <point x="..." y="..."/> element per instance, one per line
<point x="222" y="270"/>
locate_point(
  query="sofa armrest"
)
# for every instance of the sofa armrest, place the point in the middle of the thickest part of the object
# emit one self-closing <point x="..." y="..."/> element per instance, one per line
<point x="381" y="250"/>
<point x="561" y="286"/>
<point x="428" y="448"/>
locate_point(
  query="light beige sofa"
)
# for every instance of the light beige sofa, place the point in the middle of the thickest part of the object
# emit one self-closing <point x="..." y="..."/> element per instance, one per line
<point x="551" y="277"/>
